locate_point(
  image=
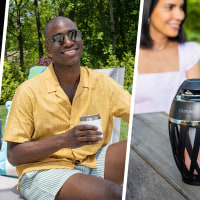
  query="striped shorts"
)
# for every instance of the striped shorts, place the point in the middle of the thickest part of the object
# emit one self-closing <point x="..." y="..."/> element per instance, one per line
<point x="45" y="184"/>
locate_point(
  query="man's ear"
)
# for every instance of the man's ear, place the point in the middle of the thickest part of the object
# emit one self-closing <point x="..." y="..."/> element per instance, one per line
<point x="47" y="48"/>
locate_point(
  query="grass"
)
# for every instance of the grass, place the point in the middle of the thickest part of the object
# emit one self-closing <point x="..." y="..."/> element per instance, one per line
<point x="123" y="130"/>
<point x="3" y="114"/>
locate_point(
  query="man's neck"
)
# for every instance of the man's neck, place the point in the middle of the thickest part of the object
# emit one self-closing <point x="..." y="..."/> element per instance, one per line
<point x="68" y="78"/>
<point x="67" y="75"/>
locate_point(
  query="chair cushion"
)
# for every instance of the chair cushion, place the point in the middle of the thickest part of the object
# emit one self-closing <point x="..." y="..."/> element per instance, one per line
<point x="6" y="168"/>
<point x="35" y="71"/>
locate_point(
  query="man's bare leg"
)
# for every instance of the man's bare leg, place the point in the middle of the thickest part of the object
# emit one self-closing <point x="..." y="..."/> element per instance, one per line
<point x="87" y="187"/>
<point x="115" y="162"/>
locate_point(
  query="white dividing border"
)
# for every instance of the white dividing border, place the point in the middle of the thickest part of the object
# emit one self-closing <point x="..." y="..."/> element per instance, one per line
<point x="132" y="101"/>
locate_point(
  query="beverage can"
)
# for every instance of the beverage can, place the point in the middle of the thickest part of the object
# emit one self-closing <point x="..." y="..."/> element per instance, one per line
<point x="94" y="120"/>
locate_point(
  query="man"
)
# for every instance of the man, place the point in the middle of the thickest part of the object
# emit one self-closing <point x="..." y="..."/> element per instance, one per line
<point x="56" y="157"/>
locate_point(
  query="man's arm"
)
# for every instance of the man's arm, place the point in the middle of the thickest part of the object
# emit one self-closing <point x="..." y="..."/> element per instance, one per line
<point x="120" y="101"/>
<point x="21" y="153"/>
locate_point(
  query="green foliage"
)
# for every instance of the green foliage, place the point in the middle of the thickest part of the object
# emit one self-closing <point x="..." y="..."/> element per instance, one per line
<point x="123" y="130"/>
<point x="91" y="17"/>
<point x="127" y="62"/>
<point x="191" y="24"/>
<point x="12" y="77"/>
<point x="3" y="115"/>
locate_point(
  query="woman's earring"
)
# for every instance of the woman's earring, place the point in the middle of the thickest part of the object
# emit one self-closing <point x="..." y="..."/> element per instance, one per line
<point x="148" y="20"/>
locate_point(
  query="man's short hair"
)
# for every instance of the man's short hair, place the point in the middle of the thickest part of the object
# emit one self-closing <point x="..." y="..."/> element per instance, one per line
<point x="51" y="22"/>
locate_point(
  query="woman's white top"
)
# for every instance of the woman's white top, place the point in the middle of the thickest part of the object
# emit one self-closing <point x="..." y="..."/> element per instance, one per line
<point x="154" y="92"/>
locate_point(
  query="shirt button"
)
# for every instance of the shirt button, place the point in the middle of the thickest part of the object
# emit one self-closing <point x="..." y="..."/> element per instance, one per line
<point x="68" y="106"/>
<point x="77" y="161"/>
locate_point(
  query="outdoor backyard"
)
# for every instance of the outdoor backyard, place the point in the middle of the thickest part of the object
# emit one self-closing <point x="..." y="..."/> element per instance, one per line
<point x="109" y="31"/>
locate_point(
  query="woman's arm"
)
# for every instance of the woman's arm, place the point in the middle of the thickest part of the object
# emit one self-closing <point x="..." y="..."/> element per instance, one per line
<point x="194" y="72"/>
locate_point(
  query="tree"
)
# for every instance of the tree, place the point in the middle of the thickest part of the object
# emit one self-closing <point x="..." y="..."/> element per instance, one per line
<point x="18" y="4"/>
<point x="37" y="15"/>
<point x="112" y="25"/>
<point x="108" y="27"/>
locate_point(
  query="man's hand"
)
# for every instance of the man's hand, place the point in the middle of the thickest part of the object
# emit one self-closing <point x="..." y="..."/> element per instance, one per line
<point x="21" y="153"/>
<point x="82" y="135"/>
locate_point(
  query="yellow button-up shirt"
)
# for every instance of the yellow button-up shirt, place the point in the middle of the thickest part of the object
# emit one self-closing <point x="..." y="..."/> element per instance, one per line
<point x="41" y="109"/>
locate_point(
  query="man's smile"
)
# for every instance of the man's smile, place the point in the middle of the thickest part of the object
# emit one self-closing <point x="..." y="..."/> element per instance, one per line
<point x="70" y="52"/>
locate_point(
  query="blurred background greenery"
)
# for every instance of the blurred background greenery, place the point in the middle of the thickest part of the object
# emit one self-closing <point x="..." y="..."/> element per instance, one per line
<point x="109" y="31"/>
<point x="191" y="24"/>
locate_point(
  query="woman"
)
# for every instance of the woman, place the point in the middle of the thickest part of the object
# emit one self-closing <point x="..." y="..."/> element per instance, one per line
<point x="165" y="58"/>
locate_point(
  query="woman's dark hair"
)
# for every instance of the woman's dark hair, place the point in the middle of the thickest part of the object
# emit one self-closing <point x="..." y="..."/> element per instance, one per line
<point x="145" y="39"/>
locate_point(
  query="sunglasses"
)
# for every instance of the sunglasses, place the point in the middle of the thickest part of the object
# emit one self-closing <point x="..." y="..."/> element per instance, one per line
<point x="73" y="35"/>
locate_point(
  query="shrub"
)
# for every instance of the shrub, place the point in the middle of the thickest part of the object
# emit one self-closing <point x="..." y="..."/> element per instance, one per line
<point x="12" y="77"/>
<point x="127" y="61"/>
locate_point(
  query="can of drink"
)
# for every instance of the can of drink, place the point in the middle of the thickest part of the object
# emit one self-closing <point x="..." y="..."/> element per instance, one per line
<point x="94" y="120"/>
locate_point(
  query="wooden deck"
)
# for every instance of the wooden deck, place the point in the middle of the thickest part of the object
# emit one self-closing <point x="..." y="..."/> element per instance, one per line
<point x="153" y="174"/>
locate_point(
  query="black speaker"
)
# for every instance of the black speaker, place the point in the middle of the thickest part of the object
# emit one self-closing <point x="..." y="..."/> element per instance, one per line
<point x="184" y="130"/>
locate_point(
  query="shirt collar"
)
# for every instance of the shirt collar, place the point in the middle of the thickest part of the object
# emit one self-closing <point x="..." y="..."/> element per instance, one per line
<point x="52" y="83"/>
